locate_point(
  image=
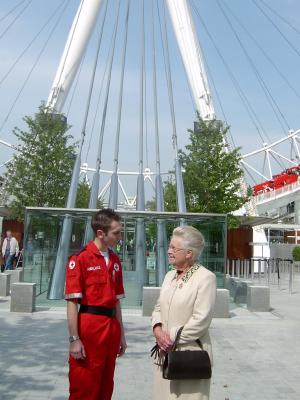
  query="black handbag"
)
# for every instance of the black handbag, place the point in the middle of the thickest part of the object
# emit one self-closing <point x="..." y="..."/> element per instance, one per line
<point x="186" y="364"/>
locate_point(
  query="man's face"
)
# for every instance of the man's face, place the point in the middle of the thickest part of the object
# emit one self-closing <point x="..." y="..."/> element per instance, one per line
<point x="113" y="234"/>
<point x="8" y="234"/>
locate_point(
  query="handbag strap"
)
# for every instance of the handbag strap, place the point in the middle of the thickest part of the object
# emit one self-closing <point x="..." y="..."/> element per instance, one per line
<point x="177" y="338"/>
<point x="175" y="344"/>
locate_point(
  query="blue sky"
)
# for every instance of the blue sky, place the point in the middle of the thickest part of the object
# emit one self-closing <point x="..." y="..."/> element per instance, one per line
<point x="286" y="59"/>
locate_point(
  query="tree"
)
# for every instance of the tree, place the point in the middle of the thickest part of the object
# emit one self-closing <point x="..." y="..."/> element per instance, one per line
<point x="3" y="192"/>
<point x="83" y="196"/>
<point x="212" y="172"/>
<point x="296" y="253"/>
<point x="40" y="172"/>
<point x="150" y="205"/>
<point x="170" y="195"/>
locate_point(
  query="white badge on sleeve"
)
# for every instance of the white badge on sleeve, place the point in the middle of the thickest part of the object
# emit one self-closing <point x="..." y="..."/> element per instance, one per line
<point x="116" y="267"/>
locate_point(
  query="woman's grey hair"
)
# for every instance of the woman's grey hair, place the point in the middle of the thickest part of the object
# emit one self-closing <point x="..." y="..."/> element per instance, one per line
<point x="192" y="239"/>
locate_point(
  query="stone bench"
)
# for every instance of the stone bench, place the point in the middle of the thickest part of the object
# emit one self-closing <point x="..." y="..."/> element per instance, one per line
<point x="231" y="285"/>
<point x="258" y="298"/>
<point x="238" y="288"/>
<point x="221" y="309"/>
<point x="241" y="291"/>
<point x="4" y="284"/>
<point x="150" y="297"/>
<point x="228" y="283"/>
<point x="151" y="294"/>
<point x="16" y="275"/>
<point x="23" y="297"/>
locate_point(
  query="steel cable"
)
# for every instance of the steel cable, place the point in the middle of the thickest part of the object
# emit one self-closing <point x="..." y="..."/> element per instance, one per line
<point x="277" y="29"/>
<point x="30" y="43"/>
<point x="12" y="10"/>
<point x="263" y="52"/>
<point x="15" y="19"/>
<point x="248" y="107"/>
<point x="117" y="142"/>
<point x="274" y="105"/>
<point x="32" y="69"/>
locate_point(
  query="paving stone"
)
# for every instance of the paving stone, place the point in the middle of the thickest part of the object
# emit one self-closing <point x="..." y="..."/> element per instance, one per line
<point x="256" y="355"/>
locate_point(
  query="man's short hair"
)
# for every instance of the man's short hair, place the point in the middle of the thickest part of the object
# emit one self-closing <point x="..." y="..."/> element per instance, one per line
<point x="103" y="219"/>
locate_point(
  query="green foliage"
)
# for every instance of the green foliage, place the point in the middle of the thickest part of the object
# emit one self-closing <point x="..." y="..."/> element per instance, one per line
<point x="232" y="221"/>
<point x="150" y="205"/>
<point x="296" y="253"/>
<point x="170" y="198"/>
<point x="249" y="191"/>
<point x="212" y="173"/>
<point x="83" y="196"/>
<point x="40" y="172"/>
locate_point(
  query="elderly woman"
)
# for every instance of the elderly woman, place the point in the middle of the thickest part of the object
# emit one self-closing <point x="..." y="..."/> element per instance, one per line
<point x="187" y="298"/>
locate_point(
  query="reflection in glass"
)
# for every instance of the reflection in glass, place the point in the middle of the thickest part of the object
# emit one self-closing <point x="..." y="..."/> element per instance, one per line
<point x="42" y="233"/>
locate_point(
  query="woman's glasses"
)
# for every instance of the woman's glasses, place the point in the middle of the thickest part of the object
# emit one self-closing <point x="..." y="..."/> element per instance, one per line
<point x="174" y="249"/>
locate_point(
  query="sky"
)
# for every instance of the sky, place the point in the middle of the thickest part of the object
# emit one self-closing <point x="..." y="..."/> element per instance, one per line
<point x="256" y="46"/>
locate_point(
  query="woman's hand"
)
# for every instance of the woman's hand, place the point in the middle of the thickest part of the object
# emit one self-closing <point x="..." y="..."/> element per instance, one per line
<point x="77" y="350"/>
<point x="162" y="338"/>
<point x="123" y="346"/>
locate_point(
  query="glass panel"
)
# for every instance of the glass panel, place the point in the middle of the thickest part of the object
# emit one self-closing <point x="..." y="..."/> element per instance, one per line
<point x="42" y="229"/>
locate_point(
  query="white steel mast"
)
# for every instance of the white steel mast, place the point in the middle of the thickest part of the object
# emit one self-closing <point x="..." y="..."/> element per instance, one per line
<point x="191" y="54"/>
<point x="75" y="47"/>
<point x="192" y="58"/>
<point x="79" y="35"/>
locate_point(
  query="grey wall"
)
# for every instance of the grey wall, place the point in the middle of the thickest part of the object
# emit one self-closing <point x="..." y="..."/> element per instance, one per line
<point x="281" y="250"/>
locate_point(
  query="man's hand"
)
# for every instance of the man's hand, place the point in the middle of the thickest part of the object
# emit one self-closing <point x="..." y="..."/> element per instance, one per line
<point x="123" y="346"/>
<point x="77" y="350"/>
<point x="162" y="338"/>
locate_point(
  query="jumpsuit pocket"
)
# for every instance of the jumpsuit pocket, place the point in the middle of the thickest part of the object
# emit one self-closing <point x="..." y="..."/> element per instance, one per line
<point x="97" y="277"/>
<point x="96" y="283"/>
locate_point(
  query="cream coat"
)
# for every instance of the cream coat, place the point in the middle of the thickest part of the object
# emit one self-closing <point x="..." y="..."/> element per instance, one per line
<point x="189" y="302"/>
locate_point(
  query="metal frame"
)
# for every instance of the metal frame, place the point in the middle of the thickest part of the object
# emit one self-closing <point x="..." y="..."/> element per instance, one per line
<point x="122" y="213"/>
<point x="267" y="149"/>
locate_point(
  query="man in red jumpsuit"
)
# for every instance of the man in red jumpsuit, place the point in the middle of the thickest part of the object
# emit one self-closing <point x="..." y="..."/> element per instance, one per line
<point x="94" y="280"/>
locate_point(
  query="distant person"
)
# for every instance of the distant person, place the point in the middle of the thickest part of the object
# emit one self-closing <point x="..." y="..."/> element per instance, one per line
<point x="94" y="280"/>
<point x="2" y="258"/>
<point x="29" y="249"/>
<point x="187" y="299"/>
<point x="10" y="249"/>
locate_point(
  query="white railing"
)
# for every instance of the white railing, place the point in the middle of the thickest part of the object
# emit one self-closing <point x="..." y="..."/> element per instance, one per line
<point x="264" y="271"/>
<point x="275" y="194"/>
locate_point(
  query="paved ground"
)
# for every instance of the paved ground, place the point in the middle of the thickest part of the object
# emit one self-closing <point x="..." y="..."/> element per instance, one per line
<point x="256" y="355"/>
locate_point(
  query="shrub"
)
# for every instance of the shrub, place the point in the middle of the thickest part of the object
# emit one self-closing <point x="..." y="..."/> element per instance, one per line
<point x="296" y="253"/>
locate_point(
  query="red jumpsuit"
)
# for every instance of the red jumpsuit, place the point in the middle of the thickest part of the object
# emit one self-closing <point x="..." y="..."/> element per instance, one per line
<point x="94" y="283"/>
